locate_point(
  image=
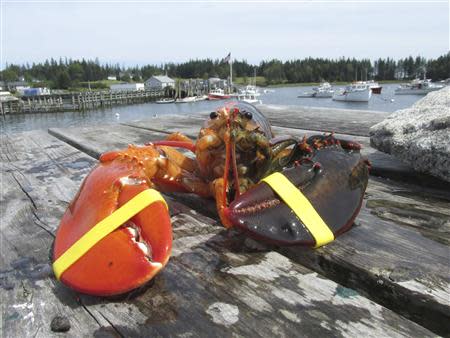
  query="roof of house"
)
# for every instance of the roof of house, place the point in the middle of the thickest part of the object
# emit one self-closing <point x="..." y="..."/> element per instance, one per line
<point x="162" y="78"/>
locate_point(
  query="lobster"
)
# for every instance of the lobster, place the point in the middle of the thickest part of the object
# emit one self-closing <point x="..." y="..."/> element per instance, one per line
<point x="116" y="234"/>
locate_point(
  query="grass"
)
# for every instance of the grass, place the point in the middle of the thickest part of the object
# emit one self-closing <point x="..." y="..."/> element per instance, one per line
<point x="245" y="80"/>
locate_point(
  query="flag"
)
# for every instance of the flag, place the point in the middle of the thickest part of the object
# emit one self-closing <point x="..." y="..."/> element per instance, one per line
<point x="227" y="58"/>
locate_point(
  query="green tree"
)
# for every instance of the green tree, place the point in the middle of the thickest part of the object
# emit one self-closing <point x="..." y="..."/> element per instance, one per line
<point x="9" y="75"/>
<point x="274" y="72"/>
<point x="125" y="77"/>
<point x="63" y="80"/>
<point x="76" y="72"/>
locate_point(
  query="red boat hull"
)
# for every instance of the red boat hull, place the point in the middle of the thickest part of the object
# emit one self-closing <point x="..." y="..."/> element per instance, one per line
<point x="218" y="97"/>
<point x="376" y="90"/>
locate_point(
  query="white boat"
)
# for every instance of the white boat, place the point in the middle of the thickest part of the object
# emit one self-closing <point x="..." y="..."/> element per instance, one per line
<point x="166" y="100"/>
<point x="356" y="92"/>
<point x="418" y="87"/>
<point x="249" y="94"/>
<point x="201" y="98"/>
<point x="217" y="94"/>
<point x="186" y="99"/>
<point x="323" y="91"/>
<point x="374" y="86"/>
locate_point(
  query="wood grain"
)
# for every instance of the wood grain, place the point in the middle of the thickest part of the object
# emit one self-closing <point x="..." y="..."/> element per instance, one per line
<point x="217" y="282"/>
<point x="397" y="254"/>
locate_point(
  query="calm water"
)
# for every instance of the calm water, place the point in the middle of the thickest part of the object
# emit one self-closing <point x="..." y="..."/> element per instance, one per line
<point x="387" y="102"/>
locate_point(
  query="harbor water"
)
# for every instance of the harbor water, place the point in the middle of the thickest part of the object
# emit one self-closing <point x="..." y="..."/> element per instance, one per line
<point x="286" y="96"/>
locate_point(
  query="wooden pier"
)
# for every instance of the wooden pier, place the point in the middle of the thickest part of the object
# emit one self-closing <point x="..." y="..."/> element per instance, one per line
<point x="387" y="276"/>
<point x="78" y="101"/>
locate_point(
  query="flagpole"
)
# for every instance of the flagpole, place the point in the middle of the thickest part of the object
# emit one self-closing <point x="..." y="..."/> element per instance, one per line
<point x="231" y="72"/>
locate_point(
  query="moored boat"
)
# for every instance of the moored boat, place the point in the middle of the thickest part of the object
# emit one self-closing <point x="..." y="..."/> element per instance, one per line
<point x="201" y="98"/>
<point x="217" y="94"/>
<point x="186" y="99"/>
<point x="374" y="86"/>
<point x="249" y="94"/>
<point x="325" y="90"/>
<point x="356" y="92"/>
<point x="165" y="100"/>
<point x="418" y="87"/>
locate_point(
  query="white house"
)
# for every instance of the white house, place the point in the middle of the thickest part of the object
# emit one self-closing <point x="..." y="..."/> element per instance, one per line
<point x="127" y="87"/>
<point x="159" y="82"/>
<point x="112" y="77"/>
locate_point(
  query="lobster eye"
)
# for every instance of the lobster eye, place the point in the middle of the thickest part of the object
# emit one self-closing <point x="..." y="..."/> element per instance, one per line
<point x="248" y="115"/>
<point x="213" y="115"/>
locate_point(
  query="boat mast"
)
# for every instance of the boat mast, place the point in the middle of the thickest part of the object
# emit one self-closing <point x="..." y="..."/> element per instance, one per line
<point x="231" y="73"/>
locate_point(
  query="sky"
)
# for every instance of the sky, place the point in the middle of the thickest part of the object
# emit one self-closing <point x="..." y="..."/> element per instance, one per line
<point x="153" y="32"/>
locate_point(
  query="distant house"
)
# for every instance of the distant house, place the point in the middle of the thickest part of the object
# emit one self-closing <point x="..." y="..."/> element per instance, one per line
<point x="12" y="85"/>
<point x="215" y="82"/>
<point x="112" y="77"/>
<point x="159" y="82"/>
<point x="127" y="87"/>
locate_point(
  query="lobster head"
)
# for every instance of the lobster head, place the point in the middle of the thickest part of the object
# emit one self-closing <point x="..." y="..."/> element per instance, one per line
<point x="234" y="144"/>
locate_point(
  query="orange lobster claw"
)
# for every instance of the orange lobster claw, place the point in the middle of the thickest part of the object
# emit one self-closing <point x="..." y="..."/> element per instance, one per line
<point x="127" y="257"/>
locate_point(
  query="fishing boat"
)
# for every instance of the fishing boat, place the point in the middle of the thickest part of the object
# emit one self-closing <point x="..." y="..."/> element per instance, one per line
<point x="165" y="100"/>
<point x="418" y="87"/>
<point x="374" y="86"/>
<point x="249" y="94"/>
<point x="325" y="90"/>
<point x="356" y="92"/>
<point x="217" y="94"/>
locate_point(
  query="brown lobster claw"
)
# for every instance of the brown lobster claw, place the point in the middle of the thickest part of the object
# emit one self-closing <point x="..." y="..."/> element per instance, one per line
<point x="333" y="180"/>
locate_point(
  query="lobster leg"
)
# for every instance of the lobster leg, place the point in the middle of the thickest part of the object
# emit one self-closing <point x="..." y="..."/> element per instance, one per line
<point x="176" y="140"/>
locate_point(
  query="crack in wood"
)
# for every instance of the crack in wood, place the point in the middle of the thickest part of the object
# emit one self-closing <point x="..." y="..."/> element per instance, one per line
<point x="112" y="325"/>
<point x="23" y="190"/>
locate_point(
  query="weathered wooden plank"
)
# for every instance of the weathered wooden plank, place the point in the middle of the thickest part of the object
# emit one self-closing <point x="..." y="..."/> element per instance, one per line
<point x="116" y="136"/>
<point x="383" y="165"/>
<point x="29" y="297"/>
<point x="188" y="125"/>
<point x="396" y="219"/>
<point x="345" y="121"/>
<point x="214" y="284"/>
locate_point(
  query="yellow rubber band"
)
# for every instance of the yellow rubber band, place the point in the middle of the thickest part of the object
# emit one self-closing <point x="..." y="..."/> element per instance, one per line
<point x="300" y="205"/>
<point x="104" y="228"/>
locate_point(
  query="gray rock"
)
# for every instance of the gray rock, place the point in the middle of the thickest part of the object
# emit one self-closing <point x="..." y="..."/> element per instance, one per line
<point x="420" y="135"/>
<point x="60" y="324"/>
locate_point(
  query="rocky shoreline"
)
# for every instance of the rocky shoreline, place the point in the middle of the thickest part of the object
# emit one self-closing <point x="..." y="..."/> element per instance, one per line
<point x="420" y="135"/>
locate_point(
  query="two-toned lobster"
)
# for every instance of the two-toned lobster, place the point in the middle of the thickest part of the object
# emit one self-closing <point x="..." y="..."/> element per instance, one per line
<point x="116" y="234"/>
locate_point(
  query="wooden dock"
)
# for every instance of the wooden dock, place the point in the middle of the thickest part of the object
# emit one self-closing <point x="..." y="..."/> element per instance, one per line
<point x="78" y="101"/>
<point x="388" y="276"/>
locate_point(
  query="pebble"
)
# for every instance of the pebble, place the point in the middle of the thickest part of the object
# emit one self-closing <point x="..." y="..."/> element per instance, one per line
<point x="60" y="324"/>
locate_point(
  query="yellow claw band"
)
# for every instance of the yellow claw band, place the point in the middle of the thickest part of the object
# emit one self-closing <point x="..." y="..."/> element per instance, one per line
<point x="302" y="207"/>
<point x="104" y="228"/>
